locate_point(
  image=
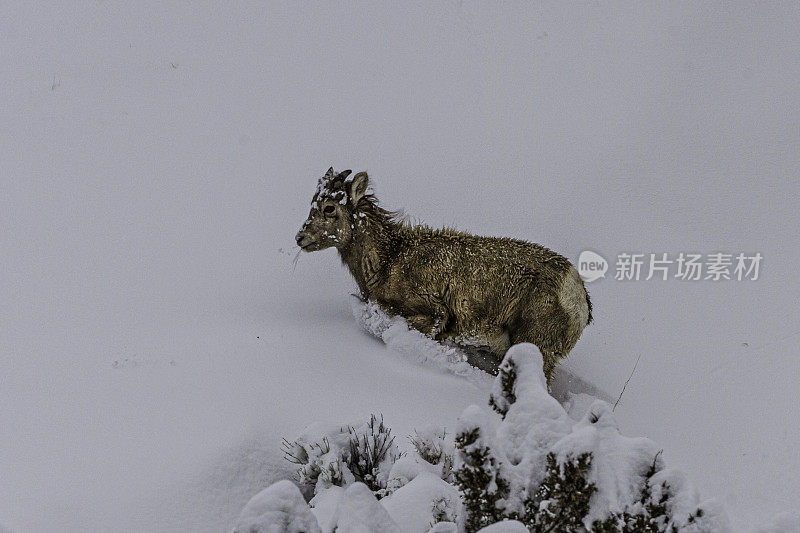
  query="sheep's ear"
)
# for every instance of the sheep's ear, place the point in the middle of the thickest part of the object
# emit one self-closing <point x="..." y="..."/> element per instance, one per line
<point x="343" y="174"/>
<point x="357" y="188"/>
<point x="329" y="173"/>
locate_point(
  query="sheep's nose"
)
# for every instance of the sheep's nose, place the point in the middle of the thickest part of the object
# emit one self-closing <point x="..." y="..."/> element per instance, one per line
<point x="299" y="238"/>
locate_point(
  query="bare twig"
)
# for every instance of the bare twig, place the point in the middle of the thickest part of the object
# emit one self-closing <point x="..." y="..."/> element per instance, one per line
<point x="626" y="383"/>
<point x="294" y="261"/>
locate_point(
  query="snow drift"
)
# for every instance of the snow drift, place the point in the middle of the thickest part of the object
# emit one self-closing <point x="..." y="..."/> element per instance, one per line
<point x="415" y="491"/>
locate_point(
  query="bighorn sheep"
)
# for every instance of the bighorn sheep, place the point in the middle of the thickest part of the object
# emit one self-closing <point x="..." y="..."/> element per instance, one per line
<point x="481" y="293"/>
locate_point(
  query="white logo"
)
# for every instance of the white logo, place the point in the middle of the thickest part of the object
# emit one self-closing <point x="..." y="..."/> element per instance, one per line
<point x="591" y="266"/>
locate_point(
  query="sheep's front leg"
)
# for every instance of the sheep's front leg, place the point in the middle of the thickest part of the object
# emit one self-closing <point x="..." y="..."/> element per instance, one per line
<point x="430" y="325"/>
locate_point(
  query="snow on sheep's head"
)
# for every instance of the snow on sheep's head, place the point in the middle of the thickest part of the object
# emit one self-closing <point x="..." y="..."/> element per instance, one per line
<point x="332" y="218"/>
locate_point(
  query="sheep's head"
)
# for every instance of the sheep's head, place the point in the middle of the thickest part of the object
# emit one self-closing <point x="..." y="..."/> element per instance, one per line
<point x="332" y="218"/>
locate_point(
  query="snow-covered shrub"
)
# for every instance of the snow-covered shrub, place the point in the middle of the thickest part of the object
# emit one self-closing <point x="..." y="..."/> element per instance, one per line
<point x="432" y="446"/>
<point x="372" y="452"/>
<point x="319" y="455"/>
<point x="443" y="510"/>
<point x="429" y="445"/>
<point x="482" y="485"/>
<point x="280" y="508"/>
<point x="507" y="526"/>
<point x="655" y="510"/>
<point x="530" y="463"/>
<point x="423" y="502"/>
<point x="340" y="455"/>
<point x="444" y="527"/>
<point x="404" y="470"/>
<point x="561" y="502"/>
<point x="503" y="396"/>
<point x="533" y="423"/>
<point x="360" y="512"/>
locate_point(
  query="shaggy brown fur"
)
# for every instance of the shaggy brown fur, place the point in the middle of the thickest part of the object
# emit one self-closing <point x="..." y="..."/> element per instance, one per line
<point x="481" y="293"/>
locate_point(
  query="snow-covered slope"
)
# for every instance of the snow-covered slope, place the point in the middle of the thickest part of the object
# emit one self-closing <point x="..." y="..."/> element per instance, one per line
<point x="509" y="462"/>
<point x="156" y="342"/>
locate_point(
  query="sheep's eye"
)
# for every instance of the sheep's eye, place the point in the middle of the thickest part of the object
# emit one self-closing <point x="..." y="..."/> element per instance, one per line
<point x="329" y="209"/>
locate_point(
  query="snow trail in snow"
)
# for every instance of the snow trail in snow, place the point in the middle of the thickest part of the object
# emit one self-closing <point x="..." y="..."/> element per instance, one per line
<point x="413" y="345"/>
<point x="572" y="391"/>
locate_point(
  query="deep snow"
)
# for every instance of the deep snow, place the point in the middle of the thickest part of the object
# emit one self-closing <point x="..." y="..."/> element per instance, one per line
<point x="419" y="487"/>
<point x="157" y="160"/>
